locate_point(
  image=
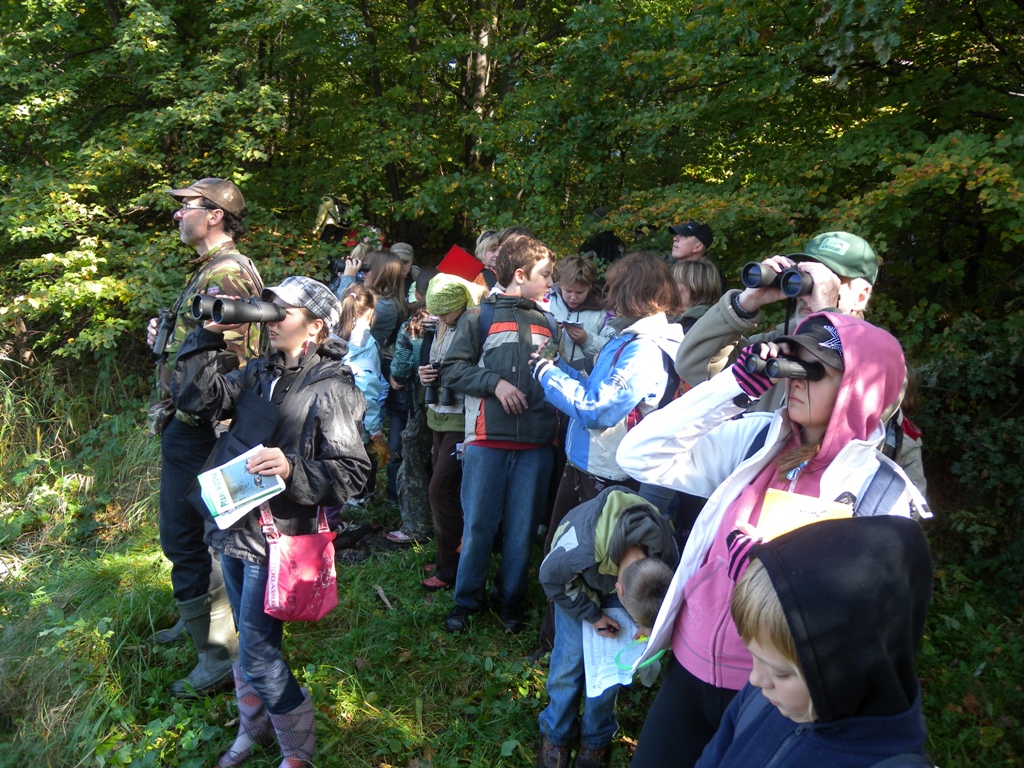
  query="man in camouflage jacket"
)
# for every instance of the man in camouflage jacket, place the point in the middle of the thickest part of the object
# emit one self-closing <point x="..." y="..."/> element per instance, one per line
<point x="210" y="220"/>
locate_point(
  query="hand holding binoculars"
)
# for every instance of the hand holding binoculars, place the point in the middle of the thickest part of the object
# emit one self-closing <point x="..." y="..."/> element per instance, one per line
<point x="233" y="311"/>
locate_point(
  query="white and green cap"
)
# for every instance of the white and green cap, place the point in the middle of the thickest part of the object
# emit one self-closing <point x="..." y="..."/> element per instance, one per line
<point x="845" y="254"/>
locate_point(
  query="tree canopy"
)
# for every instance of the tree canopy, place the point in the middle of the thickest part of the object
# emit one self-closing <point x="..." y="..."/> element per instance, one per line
<point x="896" y="119"/>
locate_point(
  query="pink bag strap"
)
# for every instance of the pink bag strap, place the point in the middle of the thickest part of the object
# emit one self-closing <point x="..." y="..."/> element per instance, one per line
<point x="270" y="530"/>
<point x="321" y="519"/>
<point x="267" y="521"/>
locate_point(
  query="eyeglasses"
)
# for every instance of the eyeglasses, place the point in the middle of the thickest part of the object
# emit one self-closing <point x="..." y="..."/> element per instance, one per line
<point x="187" y="207"/>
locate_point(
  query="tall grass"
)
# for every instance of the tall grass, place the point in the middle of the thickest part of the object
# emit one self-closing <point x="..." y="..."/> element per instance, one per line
<point x="83" y="584"/>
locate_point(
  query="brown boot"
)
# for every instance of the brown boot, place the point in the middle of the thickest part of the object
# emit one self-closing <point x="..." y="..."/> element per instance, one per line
<point x="593" y="758"/>
<point x="551" y="756"/>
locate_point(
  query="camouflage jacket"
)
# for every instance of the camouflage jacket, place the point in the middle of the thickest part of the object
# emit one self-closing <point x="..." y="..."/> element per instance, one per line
<point x="220" y="272"/>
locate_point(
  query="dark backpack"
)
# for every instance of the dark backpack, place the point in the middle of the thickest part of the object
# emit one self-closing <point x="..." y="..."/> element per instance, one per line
<point x="487" y="317"/>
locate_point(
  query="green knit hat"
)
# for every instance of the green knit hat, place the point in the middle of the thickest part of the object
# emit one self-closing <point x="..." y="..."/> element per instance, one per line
<point x="448" y="293"/>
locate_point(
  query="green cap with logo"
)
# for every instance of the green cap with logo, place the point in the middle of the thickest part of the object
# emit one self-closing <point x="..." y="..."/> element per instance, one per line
<point x="845" y="254"/>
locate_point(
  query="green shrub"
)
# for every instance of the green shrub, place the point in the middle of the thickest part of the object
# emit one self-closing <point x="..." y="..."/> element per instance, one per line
<point x="972" y="412"/>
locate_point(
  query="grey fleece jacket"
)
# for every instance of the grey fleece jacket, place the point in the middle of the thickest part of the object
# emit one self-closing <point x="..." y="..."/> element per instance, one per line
<point x="583" y="564"/>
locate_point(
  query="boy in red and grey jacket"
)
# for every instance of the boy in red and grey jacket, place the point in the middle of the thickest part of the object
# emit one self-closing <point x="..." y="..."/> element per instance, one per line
<point x="510" y="429"/>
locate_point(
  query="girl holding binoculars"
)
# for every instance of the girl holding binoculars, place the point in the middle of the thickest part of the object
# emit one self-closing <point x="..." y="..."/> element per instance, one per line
<point x="820" y="444"/>
<point x="300" y="401"/>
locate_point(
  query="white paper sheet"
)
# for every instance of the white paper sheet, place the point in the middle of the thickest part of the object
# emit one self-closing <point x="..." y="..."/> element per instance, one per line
<point x="600" y="650"/>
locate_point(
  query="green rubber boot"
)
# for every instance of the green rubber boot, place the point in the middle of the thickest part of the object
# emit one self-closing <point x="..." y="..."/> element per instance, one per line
<point x="170" y="634"/>
<point x="209" y="622"/>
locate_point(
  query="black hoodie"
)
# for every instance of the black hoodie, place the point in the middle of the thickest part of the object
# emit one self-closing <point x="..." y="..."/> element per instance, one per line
<point x="855" y="593"/>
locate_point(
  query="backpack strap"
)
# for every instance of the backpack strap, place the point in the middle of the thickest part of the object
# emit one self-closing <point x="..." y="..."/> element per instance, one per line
<point x="883" y="492"/>
<point x="487" y="317"/>
<point x="892" y="446"/>
<point x="758" y="442"/>
<point x="671" y="387"/>
<point x="552" y="324"/>
<point x="749" y="711"/>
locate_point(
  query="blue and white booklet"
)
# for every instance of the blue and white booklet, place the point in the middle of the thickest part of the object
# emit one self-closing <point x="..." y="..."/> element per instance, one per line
<point x="230" y="491"/>
<point x="601" y="651"/>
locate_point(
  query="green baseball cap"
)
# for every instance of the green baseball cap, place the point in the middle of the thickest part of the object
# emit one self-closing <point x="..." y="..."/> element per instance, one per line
<point x="845" y="254"/>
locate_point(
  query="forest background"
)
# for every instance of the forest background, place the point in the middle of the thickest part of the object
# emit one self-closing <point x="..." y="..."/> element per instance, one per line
<point x="901" y="121"/>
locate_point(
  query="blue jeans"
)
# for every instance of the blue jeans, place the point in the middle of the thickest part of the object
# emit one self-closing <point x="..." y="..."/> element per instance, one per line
<point x="183" y="451"/>
<point x="560" y="720"/>
<point x="259" y="636"/>
<point x="500" y="487"/>
<point x="658" y="496"/>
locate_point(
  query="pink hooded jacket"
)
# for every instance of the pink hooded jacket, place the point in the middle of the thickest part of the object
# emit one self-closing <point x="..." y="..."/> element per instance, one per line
<point x="697" y="445"/>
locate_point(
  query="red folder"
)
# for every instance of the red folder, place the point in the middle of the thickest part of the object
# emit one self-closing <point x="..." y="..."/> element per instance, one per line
<point x="461" y="263"/>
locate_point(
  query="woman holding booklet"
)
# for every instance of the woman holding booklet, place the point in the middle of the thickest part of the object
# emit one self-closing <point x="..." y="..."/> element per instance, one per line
<point x="844" y="377"/>
<point x="315" y="448"/>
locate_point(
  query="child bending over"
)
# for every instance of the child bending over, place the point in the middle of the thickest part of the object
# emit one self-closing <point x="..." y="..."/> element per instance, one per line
<point x="615" y="547"/>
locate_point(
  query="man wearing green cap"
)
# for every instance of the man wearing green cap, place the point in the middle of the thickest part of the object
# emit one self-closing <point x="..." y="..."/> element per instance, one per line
<point x="843" y="268"/>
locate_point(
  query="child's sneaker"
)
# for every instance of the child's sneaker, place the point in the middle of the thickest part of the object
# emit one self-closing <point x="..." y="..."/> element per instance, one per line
<point x="592" y="758"/>
<point x="551" y="756"/>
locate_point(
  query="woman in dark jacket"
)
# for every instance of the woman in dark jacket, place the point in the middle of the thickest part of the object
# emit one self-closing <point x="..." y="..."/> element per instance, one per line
<point x="316" y="448"/>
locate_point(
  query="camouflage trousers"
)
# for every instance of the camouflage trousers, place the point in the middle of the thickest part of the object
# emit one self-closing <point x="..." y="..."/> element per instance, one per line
<point x="414" y="476"/>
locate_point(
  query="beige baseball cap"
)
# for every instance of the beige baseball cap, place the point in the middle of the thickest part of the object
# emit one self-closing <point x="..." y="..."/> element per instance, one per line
<point x="403" y="251"/>
<point x="221" y="192"/>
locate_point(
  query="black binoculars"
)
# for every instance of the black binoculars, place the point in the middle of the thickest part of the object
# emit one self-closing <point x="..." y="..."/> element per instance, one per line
<point x="785" y="368"/>
<point x="793" y="281"/>
<point x="430" y="392"/>
<point x="165" y="327"/>
<point x="232" y="311"/>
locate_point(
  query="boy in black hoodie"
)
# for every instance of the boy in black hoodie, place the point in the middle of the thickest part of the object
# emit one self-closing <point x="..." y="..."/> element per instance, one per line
<point x="833" y="614"/>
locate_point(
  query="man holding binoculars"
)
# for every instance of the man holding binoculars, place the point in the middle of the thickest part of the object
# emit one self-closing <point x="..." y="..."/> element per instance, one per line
<point x="835" y="271"/>
<point x="209" y="220"/>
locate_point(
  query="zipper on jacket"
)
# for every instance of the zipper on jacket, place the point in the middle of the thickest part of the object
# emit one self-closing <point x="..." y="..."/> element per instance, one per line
<point x="781" y="751"/>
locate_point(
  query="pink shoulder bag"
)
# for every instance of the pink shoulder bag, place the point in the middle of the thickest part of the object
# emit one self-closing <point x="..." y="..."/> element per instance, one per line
<point x="302" y="584"/>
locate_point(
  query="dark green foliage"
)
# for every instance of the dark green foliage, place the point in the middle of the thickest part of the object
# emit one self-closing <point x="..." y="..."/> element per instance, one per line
<point x="973" y="411"/>
<point x="899" y="119"/>
<point x="975" y="635"/>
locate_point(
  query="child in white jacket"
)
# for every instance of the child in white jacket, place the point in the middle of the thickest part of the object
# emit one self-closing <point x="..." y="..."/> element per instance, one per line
<point x="577" y="306"/>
